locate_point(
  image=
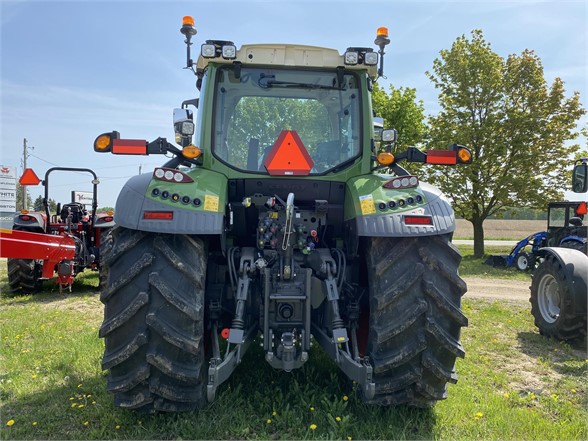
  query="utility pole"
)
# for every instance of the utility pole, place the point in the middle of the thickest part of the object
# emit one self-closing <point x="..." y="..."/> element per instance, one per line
<point x="25" y="155"/>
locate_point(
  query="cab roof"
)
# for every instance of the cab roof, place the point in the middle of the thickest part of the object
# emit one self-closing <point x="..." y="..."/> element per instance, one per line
<point x="287" y="55"/>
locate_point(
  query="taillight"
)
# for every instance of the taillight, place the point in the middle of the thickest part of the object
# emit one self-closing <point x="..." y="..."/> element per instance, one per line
<point x="411" y="219"/>
<point x="171" y="175"/>
<point x="25" y="218"/>
<point x="402" y="182"/>
<point x="158" y="215"/>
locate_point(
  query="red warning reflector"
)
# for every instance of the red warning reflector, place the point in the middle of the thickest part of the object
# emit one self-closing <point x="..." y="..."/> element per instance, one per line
<point x="225" y="333"/>
<point x="413" y="219"/>
<point x="288" y="156"/>
<point x="582" y="209"/>
<point x="441" y="157"/>
<point x="29" y="177"/>
<point x="158" y="215"/>
<point x="129" y="146"/>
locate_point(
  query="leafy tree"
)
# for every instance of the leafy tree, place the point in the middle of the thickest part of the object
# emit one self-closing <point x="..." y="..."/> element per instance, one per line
<point x="104" y="209"/>
<point x="401" y="111"/>
<point x="38" y="204"/>
<point x="516" y="125"/>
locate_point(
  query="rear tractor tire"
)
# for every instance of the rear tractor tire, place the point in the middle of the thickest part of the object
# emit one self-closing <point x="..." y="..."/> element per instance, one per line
<point x="415" y="318"/>
<point x="153" y="320"/>
<point x="24" y="275"/>
<point x="552" y="303"/>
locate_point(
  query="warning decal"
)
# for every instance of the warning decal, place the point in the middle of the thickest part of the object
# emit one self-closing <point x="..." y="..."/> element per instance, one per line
<point x="367" y="205"/>
<point x="211" y="202"/>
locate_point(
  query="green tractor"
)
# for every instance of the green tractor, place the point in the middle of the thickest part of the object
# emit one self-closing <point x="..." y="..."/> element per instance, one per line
<point x="280" y="216"/>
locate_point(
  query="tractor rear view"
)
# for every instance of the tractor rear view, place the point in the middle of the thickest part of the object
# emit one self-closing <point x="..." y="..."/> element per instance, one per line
<point x="559" y="287"/>
<point x="279" y="217"/>
<point x="32" y="258"/>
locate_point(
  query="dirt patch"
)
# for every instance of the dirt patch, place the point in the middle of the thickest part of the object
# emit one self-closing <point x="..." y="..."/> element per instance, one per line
<point x="480" y="287"/>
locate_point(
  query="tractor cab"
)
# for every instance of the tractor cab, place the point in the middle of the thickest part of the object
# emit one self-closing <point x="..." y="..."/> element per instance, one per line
<point x="566" y="223"/>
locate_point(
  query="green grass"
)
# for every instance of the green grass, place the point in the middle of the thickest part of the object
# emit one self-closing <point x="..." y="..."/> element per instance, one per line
<point x="513" y="384"/>
<point x="471" y="266"/>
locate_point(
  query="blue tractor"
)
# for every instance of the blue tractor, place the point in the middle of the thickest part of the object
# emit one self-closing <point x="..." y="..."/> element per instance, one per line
<point x="560" y="281"/>
<point x="565" y="228"/>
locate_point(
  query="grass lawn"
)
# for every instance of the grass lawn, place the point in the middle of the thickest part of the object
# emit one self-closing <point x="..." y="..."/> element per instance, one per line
<point x="513" y="383"/>
<point x="471" y="266"/>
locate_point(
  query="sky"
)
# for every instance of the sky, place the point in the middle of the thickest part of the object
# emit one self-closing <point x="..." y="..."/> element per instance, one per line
<point x="71" y="70"/>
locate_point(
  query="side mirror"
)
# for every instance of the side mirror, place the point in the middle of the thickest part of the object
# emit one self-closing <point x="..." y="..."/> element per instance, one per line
<point x="579" y="180"/>
<point x="183" y="126"/>
<point x="378" y="127"/>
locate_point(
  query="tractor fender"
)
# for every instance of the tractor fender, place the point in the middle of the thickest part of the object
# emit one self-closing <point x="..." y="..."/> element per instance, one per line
<point x="36" y="222"/>
<point x="390" y="224"/>
<point x="102" y="220"/>
<point x="133" y="201"/>
<point x="575" y="266"/>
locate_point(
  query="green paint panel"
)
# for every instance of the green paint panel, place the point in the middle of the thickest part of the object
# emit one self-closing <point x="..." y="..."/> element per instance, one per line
<point x="209" y="187"/>
<point x="365" y="194"/>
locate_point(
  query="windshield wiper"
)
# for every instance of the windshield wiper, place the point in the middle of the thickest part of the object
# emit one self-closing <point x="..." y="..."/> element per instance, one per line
<point x="265" y="82"/>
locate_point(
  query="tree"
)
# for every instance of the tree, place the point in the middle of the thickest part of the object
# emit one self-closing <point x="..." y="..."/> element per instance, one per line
<point x="38" y="205"/>
<point x="518" y="129"/>
<point x="401" y="111"/>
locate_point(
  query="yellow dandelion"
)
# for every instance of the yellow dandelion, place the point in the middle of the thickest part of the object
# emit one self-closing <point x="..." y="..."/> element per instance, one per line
<point x="349" y="438"/>
<point x="117" y="427"/>
<point x="312" y="426"/>
<point x="338" y="419"/>
<point x="81" y="406"/>
<point x="89" y="396"/>
<point x="80" y="385"/>
<point x="573" y="391"/>
<point x="86" y="423"/>
<point x="73" y="404"/>
<point x="345" y="397"/>
<point x="269" y="421"/>
<point x="10" y="423"/>
<point x="93" y="402"/>
<point x="71" y="398"/>
<point x="505" y="395"/>
<point x="34" y="376"/>
<point x="479" y="414"/>
<point x="274" y="413"/>
<point x="311" y="408"/>
<point x="34" y="423"/>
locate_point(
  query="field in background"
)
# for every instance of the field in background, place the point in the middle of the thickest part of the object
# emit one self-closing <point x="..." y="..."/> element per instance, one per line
<point x="500" y="229"/>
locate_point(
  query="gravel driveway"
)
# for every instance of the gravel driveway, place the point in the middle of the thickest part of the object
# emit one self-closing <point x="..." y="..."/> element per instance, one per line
<point x="481" y="287"/>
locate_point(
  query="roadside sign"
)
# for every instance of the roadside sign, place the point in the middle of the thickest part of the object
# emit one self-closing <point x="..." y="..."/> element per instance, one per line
<point x="7" y="196"/>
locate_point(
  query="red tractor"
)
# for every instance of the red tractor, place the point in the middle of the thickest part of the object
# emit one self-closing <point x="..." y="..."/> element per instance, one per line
<point x="33" y="258"/>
